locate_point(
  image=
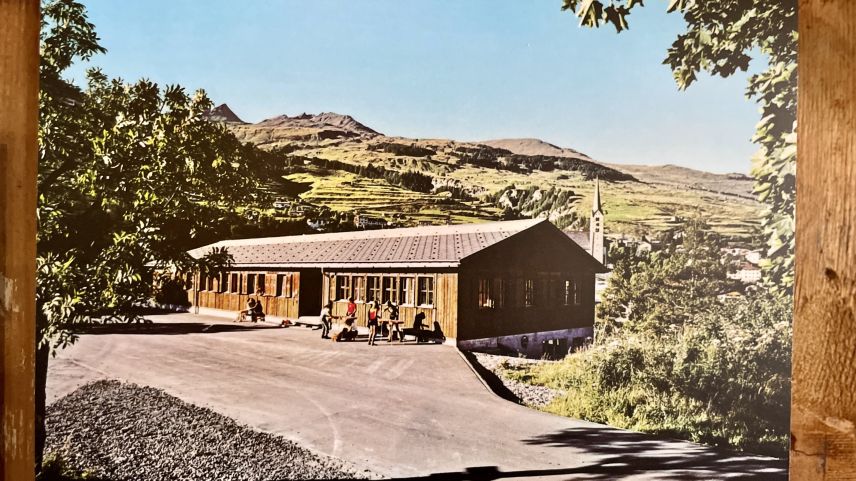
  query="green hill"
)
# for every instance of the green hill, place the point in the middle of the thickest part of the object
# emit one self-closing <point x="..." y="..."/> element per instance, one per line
<point x="346" y="166"/>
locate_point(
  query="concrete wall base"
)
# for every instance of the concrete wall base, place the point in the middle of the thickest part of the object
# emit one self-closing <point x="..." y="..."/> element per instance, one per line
<point x="531" y="346"/>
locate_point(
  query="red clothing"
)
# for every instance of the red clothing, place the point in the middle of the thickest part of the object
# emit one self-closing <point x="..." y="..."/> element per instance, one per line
<point x="352" y="309"/>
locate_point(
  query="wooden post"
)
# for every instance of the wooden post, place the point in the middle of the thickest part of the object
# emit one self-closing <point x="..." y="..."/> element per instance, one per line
<point x="823" y="419"/>
<point x="19" y="89"/>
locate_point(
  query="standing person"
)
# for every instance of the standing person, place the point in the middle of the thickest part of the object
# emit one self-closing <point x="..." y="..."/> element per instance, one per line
<point x="373" y="320"/>
<point x="392" y="309"/>
<point x="326" y="320"/>
<point x="352" y="310"/>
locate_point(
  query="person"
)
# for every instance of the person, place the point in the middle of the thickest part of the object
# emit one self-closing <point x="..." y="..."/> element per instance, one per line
<point x="374" y="309"/>
<point x="327" y="320"/>
<point x="351" y="314"/>
<point x="392" y="309"/>
<point x="251" y="307"/>
<point x="258" y="309"/>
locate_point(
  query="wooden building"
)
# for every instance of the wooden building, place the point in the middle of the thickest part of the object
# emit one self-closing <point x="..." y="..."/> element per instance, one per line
<point x="520" y="285"/>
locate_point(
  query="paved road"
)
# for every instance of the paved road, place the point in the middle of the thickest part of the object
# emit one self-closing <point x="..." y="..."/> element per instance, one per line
<point x="403" y="410"/>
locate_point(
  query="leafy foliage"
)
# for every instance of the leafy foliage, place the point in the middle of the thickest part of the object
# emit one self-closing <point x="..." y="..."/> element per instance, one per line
<point x="131" y="176"/>
<point x="671" y="358"/>
<point x="722" y="378"/>
<point x="663" y="289"/>
<point x="720" y="39"/>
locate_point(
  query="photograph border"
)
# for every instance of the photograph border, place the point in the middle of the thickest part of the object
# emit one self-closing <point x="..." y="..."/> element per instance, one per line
<point x="823" y="402"/>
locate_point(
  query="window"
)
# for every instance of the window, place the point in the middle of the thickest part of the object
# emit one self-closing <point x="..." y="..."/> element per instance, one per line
<point x="251" y="284"/>
<point x="500" y="291"/>
<point x="188" y="281"/>
<point x="223" y="282"/>
<point x="343" y="287"/>
<point x="576" y="292"/>
<point x="233" y="283"/>
<point x="529" y="292"/>
<point x="569" y="293"/>
<point x="283" y="285"/>
<point x="390" y="289"/>
<point x="210" y="283"/>
<point x="359" y="285"/>
<point x="426" y="291"/>
<point x="260" y="283"/>
<point x="406" y="290"/>
<point x="486" y="294"/>
<point x="374" y="288"/>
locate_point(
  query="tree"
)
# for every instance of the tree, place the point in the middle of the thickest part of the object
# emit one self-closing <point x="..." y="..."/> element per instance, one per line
<point x="131" y="176"/>
<point x="720" y="39"/>
<point x="664" y="289"/>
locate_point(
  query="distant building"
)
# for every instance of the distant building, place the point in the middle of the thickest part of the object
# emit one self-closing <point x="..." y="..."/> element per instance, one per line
<point x="597" y="248"/>
<point x="747" y="272"/>
<point x="593" y="241"/>
<point x="362" y="221"/>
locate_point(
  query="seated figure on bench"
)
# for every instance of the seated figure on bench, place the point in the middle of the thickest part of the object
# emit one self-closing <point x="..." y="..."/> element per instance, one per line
<point x="418" y="330"/>
<point x="249" y="311"/>
<point x="258" y="311"/>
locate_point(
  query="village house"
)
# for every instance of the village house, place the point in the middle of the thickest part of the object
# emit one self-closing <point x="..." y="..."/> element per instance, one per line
<point x="363" y="221"/>
<point x="522" y="286"/>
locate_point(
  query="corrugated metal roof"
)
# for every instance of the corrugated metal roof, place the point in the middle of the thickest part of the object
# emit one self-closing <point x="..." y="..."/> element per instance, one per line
<point x="436" y="246"/>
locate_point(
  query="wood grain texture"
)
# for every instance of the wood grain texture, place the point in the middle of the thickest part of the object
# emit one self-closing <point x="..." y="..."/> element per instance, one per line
<point x="19" y="74"/>
<point x="823" y="420"/>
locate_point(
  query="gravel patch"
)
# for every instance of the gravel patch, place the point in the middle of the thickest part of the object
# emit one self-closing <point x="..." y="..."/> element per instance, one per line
<point x="529" y="395"/>
<point x="120" y="431"/>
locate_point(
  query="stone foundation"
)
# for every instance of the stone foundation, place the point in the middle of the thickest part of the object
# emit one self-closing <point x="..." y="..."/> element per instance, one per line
<point x="532" y="344"/>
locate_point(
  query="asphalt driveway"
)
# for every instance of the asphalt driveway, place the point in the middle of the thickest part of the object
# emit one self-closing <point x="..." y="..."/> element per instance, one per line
<point x="403" y="410"/>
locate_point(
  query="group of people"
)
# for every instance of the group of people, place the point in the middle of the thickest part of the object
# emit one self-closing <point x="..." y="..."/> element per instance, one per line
<point x="386" y="314"/>
<point x="377" y="315"/>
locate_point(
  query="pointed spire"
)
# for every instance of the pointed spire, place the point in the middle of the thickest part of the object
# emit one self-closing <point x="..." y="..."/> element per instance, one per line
<point x="595" y="206"/>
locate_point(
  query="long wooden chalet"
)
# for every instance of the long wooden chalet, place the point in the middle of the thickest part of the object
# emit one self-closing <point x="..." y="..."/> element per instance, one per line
<point x="520" y="285"/>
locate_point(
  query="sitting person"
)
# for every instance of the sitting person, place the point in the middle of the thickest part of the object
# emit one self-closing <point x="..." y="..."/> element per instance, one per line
<point x="249" y="311"/>
<point x="349" y="333"/>
<point x="258" y="312"/>
<point x="417" y="330"/>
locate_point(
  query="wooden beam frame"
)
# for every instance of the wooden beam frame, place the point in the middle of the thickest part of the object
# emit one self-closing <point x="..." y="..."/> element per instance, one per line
<point x="19" y="89"/>
<point x="823" y="421"/>
<point x="823" y="403"/>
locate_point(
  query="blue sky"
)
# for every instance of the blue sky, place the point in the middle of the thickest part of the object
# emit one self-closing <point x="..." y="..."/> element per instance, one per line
<point x="466" y="70"/>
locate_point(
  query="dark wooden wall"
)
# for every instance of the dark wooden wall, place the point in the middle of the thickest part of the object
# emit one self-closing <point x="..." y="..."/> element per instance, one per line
<point x="540" y="253"/>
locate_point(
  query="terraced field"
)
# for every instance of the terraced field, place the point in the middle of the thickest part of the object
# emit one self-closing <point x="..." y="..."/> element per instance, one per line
<point x="639" y="200"/>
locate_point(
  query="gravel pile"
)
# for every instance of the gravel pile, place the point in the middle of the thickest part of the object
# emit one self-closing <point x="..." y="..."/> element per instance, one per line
<point x="121" y="432"/>
<point x="532" y="396"/>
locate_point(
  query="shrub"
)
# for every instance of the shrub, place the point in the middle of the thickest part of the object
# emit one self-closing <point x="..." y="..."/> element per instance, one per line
<point x="722" y="378"/>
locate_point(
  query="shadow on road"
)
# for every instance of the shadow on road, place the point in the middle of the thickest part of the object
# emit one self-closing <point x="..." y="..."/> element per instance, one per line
<point x="167" y="328"/>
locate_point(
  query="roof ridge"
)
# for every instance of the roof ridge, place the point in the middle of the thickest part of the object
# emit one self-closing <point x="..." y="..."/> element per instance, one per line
<point x="449" y="229"/>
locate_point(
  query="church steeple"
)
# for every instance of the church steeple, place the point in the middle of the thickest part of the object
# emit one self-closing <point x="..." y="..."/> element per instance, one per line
<point x="596" y="240"/>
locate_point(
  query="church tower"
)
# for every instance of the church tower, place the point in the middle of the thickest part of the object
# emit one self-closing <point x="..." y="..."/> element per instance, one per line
<point x="596" y="245"/>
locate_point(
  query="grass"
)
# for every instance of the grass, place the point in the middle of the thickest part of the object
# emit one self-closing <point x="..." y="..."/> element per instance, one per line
<point x="631" y="207"/>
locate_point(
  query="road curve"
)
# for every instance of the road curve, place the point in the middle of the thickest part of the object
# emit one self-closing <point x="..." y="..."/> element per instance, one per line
<point x="403" y="410"/>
